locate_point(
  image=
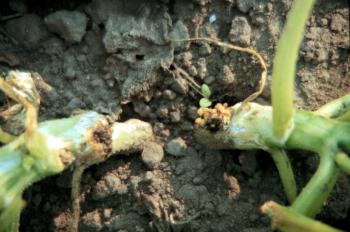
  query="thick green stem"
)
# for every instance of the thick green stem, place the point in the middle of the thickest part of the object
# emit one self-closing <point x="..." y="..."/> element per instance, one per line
<point x="286" y="173"/>
<point x="9" y="219"/>
<point x="285" y="219"/>
<point x="311" y="199"/>
<point x="250" y="127"/>
<point x="84" y="139"/>
<point x="15" y="175"/>
<point x="14" y="178"/>
<point x="319" y="134"/>
<point x="284" y="66"/>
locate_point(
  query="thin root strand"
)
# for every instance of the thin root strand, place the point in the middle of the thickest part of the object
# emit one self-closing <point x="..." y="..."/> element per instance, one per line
<point x="250" y="51"/>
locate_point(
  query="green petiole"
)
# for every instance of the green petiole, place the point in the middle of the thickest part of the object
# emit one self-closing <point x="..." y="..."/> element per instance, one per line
<point x="284" y="66"/>
<point x="285" y="171"/>
<point x="343" y="161"/>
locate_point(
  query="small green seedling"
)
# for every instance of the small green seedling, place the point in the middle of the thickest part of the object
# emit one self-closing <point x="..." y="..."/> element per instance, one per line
<point x="205" y="100"/>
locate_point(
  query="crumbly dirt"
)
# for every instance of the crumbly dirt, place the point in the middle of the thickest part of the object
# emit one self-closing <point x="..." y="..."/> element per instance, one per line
<point x="121" y="63"/>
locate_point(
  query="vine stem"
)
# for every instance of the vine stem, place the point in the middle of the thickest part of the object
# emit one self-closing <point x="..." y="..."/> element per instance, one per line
<point x="343" y="161"/>
<point x="286" y="174"/>
<point x="314" y="194"/>
<point x="285" y="219"/>
<point x="335" y="108"/>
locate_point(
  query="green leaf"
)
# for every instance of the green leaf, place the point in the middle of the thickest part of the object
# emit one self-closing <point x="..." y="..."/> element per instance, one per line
<point x="204" y="102"/>
<point x="205" y="91"/>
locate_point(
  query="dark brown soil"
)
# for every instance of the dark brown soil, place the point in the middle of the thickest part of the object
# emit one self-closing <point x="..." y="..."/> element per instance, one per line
<point x="122" y="67"/>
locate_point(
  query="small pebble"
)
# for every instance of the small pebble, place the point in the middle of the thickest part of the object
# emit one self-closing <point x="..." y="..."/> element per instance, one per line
<point x="176" y="147"/>
<point x="141" y="108"/>
<point x="169" y="94"/>
<point x="186" y="58"/>
<point x="70" y="25"/>
<point x="180" y="86"/>
<point x="192" y="112"/>
<point x="109" y="185"/>
<point x="226" y="77"/>
<point x="202" y="67"/>
<point x="245" y="5"/>
<point x="269" y="7"/>
<point x="175" y="116"/>
<point x="192" y="71"/>
<point x="107" y="213"/>
<point x="241" y="31"/>
<point x="161" y="131"/>
<point x="205" y="49"/>
<point x="70" y="73"/>
<point x="152" y="155"/>
<point x="212" y="18"/>
<point x="186" y="126"/>
<point x="338" y="22"/>
<point x="324" y="22"/>
<point x="259" y="21"/>
<point x="162" y="111"/>
<point x="209" y="79"/>
<point x="91" y="221"/>
<point x="149" y="176"/>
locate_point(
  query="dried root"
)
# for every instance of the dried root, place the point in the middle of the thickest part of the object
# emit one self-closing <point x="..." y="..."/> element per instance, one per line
<point x="246" y="50"/>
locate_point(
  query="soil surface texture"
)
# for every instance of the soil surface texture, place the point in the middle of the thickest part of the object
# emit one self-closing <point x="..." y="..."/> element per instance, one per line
<point x="122" y="59"/>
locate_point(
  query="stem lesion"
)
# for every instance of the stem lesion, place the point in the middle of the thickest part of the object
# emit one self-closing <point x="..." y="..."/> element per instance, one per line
<point x="49" y="147"/>
<point x="21" y="88"/>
